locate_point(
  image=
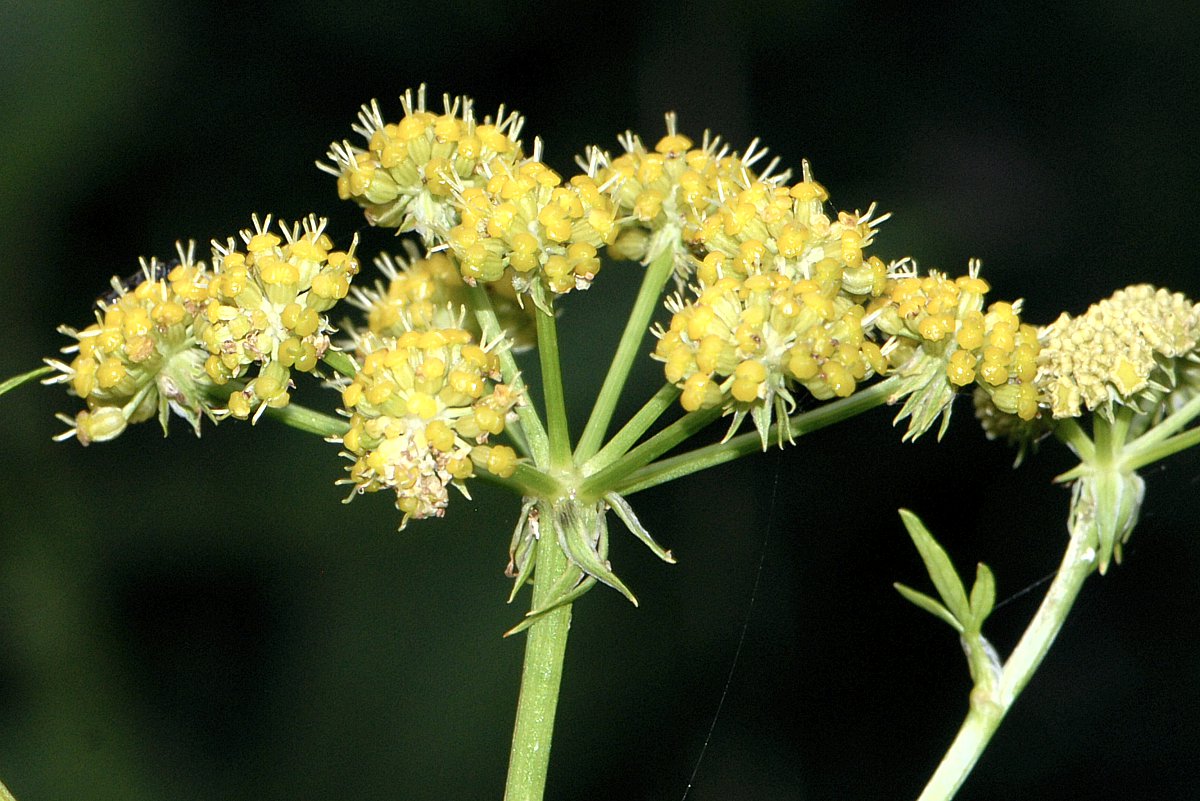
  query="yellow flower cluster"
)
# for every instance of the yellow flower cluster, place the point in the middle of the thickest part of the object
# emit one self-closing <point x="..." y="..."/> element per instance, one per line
<point x="779" y="300"/>
<point x="526" y="221"/>
<point x="663" y="196"/>
<point x="429" y="292"/>
<point x="266" y="306"/>
<point x="952" y="343"/>
<point x="406" y="177"/>
<point x="1120" y="349"/>
<point x="422" y="407"/>
<point x="140" y="356"/>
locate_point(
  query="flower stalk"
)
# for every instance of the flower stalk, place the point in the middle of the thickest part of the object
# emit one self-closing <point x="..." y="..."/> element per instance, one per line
<point x="653" y="282"/>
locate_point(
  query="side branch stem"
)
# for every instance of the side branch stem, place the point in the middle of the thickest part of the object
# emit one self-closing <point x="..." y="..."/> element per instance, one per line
<point x="310" y="420"/>
<point x="651" y="475"/>
<point x="632" y="431"/>
<point x="531" y="424"/>
<point x="987" y="711"/>
<point x="636" y="326"/>
<point x="552" y="386"/>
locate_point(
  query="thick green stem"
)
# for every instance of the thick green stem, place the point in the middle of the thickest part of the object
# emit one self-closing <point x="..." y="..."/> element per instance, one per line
<point x="651" y="475"/>
<point x="987" y="710"/>
<point x="531" y="424"/>
<point x="541" y="675"/>
<point x="552" y="386"/>
<point x="636" y="327"/>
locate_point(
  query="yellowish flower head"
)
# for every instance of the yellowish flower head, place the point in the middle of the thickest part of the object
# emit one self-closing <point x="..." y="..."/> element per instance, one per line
<point x="524" y="223"/>
<point x="425" y="292"/>
<point x="422" y="408"/>
<point x="747" y="343"/>
<point x="140" y="357"/>
<point x="266" y="308"/>
<point x="1121" y="349"/>
<point x="779" y="301"/>
<point x="767" y="226"/>
<point x="664" y="195"/>
<point x="405" y="177"/>
<point x="943" y="340"/>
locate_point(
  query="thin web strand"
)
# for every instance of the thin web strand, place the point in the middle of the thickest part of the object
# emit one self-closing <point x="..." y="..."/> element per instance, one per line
<point x="737" y="653"/>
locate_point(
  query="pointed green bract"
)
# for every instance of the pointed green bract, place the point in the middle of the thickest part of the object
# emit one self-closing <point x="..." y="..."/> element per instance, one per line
<point x="625" y="512"/>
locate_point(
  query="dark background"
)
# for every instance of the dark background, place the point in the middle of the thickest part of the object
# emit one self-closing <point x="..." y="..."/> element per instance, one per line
<point x="201" y="619"/>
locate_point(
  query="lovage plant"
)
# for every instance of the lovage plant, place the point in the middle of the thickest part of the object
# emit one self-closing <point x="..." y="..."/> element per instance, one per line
<point x="780" y="321"/>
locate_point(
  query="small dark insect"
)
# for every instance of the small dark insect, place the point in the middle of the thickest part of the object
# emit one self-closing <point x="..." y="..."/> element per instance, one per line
<point x="153" y="270"/>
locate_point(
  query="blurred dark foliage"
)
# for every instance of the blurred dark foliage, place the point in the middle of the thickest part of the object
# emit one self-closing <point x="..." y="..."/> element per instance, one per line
<point x="193" y="619"/>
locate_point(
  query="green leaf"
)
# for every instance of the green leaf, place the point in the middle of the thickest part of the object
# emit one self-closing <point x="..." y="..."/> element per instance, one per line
<point x="25" y="378"/>
<point x="940" y="569"/>
<point x="983" y="595"/>
<point x="929" y="605"/>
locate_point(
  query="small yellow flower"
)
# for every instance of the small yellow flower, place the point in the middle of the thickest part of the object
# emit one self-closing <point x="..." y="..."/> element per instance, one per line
<point x="421" y="407"/>
<point x="943" y="341"/>
<point x="779" y="301"/>
<point x="141" y="356"/>
<point x="405" y="177"/>
<point x="424" y="292"/>
<point x="664" y="195"/>
<point x="266" y="307"/>
<point x="525" y="224"/>
<point x="747" y="343"/>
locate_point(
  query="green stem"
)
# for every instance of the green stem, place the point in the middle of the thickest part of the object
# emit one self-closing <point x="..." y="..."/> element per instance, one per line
<point x="1170" y="425"/>
<point x="988" y="710"/>
<point x="23" y="378"/>
<point x="1070" y="432"/>
<point x="541" y="674"/>
<point x="5" y="795"/>
<point x="531" y="424"/>
<point x="552" y="387"/>
<point x="526" y="481"/>
<point x="340" y="363"/>
<point x="652" y="475"/>
<point x="1139" y="457"/>
<point x="632" y="431"/>
<point x="595" y="485"/>
<point x="636" y="327"/>
<point x="309" y="420"/>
